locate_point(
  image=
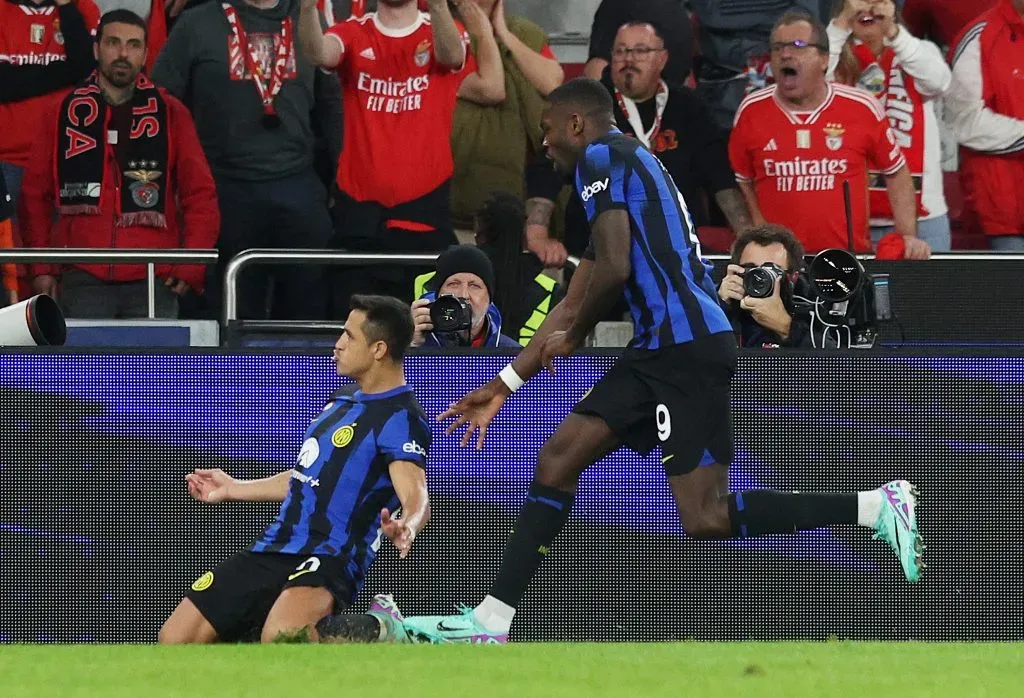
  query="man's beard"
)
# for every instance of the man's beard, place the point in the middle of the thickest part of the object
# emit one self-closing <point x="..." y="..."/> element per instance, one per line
<point x="120" y="78"/>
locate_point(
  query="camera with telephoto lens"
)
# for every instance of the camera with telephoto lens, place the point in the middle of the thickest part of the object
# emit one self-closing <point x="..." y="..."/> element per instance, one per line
<point x="450" y="315"/>
<point x="759" y="282"/>
<point x="850" y="302"/>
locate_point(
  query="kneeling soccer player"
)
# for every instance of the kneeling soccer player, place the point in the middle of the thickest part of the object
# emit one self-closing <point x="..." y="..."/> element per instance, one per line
<point x="363" y="456"/>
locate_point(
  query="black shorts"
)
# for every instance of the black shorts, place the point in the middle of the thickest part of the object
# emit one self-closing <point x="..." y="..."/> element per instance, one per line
<point x="676" y="397"/>
<point x="237" y="595"/>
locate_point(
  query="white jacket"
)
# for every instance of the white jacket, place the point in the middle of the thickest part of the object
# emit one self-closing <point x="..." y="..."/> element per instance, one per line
<point x="922" y="61"/>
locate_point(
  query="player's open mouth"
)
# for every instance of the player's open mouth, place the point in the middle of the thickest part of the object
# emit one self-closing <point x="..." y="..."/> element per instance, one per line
<point x="788" y="72"/>
<point x="867" y="19"/>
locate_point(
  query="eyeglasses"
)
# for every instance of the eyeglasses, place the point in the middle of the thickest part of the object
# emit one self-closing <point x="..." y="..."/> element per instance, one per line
<point x="640" y="53"/>
<point x="777" y="46"/>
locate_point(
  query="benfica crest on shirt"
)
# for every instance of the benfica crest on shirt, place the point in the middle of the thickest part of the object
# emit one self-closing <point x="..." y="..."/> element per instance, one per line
<point x="57" y="36"/>
<point x="422" y="55"/>
<point x="834" y="136"/>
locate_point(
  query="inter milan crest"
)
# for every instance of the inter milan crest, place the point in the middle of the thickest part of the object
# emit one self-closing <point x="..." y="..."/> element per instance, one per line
<point x="834" y="136"/>
<point x="422" y="55"/>
<point x="145" y="192"/>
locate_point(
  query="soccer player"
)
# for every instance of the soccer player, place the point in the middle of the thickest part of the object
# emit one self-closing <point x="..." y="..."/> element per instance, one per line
<point x="670" y="388"/>
<point x="363" y="456"/>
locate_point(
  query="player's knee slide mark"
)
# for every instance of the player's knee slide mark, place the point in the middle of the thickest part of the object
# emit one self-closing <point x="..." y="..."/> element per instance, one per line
<point x="349" y="627"/>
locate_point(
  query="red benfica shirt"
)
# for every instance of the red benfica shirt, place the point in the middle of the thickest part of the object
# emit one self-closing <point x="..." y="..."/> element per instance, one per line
<point x="398" y="105"/>
<point x="799" y="161"/>
<point x="30" y="35"/>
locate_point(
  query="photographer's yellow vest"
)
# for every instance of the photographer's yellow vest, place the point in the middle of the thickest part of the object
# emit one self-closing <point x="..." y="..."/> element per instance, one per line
<point x="525" y="333"/>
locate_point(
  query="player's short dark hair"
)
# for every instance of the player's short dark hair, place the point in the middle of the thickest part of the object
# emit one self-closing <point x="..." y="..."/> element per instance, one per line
<point x="387" y="319"/>
<point x="819" y="37"/>
<point x="589" y="96"/>
<point x="122" y="16"/>
<point x="768" y="234"/>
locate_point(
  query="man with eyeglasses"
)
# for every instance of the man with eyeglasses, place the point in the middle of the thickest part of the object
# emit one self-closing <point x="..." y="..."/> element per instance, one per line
<point x="669" y="16"/>
<point x="671" y="121"/>
<point x="795" y="144"/>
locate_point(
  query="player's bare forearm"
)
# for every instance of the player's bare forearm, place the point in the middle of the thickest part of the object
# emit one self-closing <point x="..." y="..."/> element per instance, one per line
<point x="448" y="47"/>
<point x="900" y="188"/>
<point x="750" y="196"/>
<point x="268" y="489"/>
<point x="612" y="238"/>
<point x="734" y="207"/>
<point x="528" y="362"/>
<point x="410" y="483"/>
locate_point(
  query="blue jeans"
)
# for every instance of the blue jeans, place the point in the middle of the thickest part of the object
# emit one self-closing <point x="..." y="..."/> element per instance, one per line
<point x="934" y="231"/>
<point x="1006" y="243"/>
<point x="12" y="175"/>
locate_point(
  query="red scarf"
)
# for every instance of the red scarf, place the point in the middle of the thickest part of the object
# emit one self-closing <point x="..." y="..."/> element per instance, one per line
<point x="903" y="104"/>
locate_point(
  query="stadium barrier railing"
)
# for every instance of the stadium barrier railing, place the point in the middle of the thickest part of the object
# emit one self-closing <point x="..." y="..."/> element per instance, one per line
<point x="83" y="255"/>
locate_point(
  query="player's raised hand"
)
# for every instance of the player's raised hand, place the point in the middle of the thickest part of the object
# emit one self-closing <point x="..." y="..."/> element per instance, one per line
<point x="209" y="485"/>
<point x="477" y="409"/>
<point x="398" y="532"/>
<point x="557" y="344"/>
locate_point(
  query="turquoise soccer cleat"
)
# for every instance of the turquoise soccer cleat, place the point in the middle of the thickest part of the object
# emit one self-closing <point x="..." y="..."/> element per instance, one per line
<point x="897" y="526"/>
<point x="461" y="628"/>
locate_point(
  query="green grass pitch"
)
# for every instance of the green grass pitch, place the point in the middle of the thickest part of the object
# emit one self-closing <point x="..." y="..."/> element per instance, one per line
<point x="704" y="670"/>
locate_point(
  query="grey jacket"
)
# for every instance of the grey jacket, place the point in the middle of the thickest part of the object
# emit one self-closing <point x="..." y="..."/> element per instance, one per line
<point x="227" y="111"/>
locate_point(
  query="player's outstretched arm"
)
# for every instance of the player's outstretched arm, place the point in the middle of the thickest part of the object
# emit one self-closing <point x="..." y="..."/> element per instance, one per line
<point x="214" y="485"/>
<point x="611" y="237"/>
<point x="479" y="407"/>
<point x="410" y="481"/>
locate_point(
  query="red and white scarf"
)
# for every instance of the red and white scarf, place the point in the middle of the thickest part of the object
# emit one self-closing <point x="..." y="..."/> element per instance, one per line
<point x="628" y="107"/>
<point x="904" y="106"/>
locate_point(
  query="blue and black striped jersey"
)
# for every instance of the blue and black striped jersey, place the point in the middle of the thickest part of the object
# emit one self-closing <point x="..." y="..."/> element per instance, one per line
<point x="671" y="294"/>
<point x="341" y="480"/>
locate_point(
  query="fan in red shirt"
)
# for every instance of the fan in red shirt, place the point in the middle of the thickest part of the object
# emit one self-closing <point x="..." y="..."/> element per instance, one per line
<point x="401" y="72"/>
<point x="121" y="160"/>
<point x="795" y="143"/>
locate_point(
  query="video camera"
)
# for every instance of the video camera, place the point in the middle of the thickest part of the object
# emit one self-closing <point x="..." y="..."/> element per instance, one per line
<point x="452" y="318"/>
<point x="849" y="302"/>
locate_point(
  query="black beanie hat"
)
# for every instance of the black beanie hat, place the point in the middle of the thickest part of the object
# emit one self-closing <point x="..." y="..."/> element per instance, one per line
<point x="465" y="259"/>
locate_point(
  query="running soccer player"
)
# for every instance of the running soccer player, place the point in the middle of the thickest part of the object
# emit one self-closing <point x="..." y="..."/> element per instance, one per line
<point x="362" y="457"/>
<point x="670" y="388"/>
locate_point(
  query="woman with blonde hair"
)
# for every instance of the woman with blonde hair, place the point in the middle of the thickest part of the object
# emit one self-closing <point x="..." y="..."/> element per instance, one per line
<point x="871" y="49"/>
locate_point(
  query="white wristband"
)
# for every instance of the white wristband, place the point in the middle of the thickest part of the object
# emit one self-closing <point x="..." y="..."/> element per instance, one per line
<point x="510" y="378"/>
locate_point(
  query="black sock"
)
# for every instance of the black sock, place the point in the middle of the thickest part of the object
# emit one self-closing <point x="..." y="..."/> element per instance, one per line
<point x="542" y="517"/>
<point x="349" y="627"/>
<point x="757" y="512"/>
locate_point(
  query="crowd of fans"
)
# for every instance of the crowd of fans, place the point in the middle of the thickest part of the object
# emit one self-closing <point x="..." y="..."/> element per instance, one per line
<point x="402" y="125"/>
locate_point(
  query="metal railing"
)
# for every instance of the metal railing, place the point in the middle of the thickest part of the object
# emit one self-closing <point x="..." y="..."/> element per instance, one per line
<point x="311" y="256"/>
<point x="83" y="255"/>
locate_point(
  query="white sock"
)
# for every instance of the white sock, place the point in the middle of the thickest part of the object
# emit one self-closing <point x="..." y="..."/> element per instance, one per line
<point x="869" y="506"/>
<point x="496" y="616"/>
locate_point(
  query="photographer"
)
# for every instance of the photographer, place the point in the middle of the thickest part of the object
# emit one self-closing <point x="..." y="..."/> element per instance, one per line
<point x="775" y="319"/>
<point x="463" y="272"/>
